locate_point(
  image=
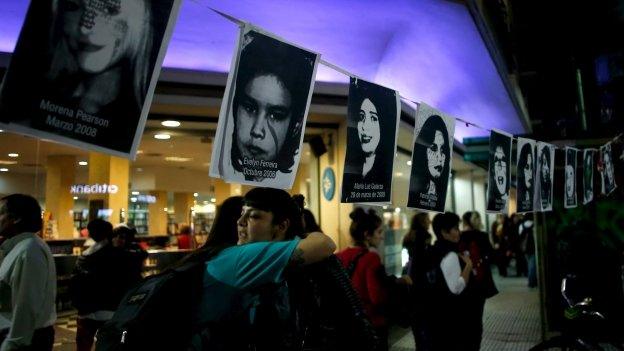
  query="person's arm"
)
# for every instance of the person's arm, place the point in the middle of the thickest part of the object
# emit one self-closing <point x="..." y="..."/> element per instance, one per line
<point x="455" y="278"/>
<point x="314" y="248"/>
<point x="27" y="289"/>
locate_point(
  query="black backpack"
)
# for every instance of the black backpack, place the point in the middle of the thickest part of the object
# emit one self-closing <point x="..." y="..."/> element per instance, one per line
<point x="159" y="313"/>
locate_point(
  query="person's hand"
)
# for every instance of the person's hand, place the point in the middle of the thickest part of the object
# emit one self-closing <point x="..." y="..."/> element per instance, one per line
<point x="405" y="280"/>
<point x="466" y="260"/>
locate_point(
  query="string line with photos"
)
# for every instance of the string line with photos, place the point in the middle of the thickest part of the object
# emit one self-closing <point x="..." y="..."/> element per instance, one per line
<point x="353" y="75"/>
<point x="427" y="191"/>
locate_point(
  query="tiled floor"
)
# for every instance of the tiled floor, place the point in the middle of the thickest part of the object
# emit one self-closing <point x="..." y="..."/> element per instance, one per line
<point x="511" y="320"/>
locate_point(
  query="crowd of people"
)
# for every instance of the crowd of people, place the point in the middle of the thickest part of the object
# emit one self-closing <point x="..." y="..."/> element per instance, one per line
<point x="513" y="239"/>
<point x="270" y="280"/>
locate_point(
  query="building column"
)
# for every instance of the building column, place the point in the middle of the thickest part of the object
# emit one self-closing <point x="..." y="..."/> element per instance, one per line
<point x="182" y="205"/>
<point x="59" y="201"/>
<point x="114" y="172"/>
<point x="157" y="222"/>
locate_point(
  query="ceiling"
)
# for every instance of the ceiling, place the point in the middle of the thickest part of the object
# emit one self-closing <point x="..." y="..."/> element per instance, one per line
<point x="429" y="50"/>
<point x="569" y="63"/>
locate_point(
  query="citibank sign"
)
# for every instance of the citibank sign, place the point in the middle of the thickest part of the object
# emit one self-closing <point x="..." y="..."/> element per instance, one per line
<point x="94" y="189"/>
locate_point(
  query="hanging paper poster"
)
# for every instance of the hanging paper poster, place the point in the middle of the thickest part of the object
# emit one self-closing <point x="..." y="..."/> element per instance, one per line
<point x="569" y="195"/>
<point x="264" y="110"/>
<point x="372" y="126"/>
<point x="608" y="171"/>
<point x="84" y="71"/>
<point x="588" y="175"/>
<point x="499" y="171"/>
<point x="431" y="159"/>
<point x="544" y="176"/>
<point x="525" y="175"/>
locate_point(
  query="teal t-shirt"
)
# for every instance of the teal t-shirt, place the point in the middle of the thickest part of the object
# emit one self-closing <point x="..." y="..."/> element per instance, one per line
<point x="231" y="277"/>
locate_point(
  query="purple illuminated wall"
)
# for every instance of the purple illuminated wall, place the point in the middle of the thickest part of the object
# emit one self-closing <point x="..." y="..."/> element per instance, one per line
<point x="429" y="50"/>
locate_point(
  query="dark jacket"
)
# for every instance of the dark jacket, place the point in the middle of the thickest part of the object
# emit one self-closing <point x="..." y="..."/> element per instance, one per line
<point x="481" y="284"/>
<point x="100" y="280"/>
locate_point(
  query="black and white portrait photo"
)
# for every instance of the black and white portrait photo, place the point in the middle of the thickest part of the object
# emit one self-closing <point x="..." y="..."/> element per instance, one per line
<point x="608" y="171"/>
<point x="525" y="175"/>
<point x="431" y="159"/>
<point x="264" y="111"/>
<point x="545" y="175"/>
<point x="372" y="121"/>
<point x="84" y="71"/>
<point x="588" y="175"/>
<point x="499" y="171"/>
<point x="569" y="195"/>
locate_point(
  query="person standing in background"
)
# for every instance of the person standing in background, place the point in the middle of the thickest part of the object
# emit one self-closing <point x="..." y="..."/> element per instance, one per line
<point x="98" y="283"/>
<point x="476" y="244"/>
<point x="27" y="278"/>
<point x="418" y="244"/>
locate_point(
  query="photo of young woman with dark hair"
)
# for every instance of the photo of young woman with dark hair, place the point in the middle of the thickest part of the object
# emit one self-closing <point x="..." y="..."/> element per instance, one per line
<point x="546" y="164"/>
<point x="263" y="113"/>
<point x="431" y="160"/>
<point x="372" y="117"/>
<point x="499" y="172"/>
<point x="588" y="175"/>
<point x="91" y="67"/>
<point x="525" y="175"/>
<point x="608" y="173"/>
<point x="569" y="197"/>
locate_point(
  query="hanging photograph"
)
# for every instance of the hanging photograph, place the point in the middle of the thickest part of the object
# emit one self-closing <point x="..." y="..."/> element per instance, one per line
<point x="83" y="71"/>
<point x="372" y="124"/>
<point x="499" y="171"/>
<point x="544" y="176"/>
<point x="431" y="159"/>
<point x="569" y="195"/>
<point x="525" y="175"/>
<point x="608" y="171"/>
<point x="588" y="175"/>
<point x="263" y="113"/>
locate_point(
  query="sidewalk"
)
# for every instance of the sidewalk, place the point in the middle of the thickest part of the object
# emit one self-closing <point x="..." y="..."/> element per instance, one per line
<point x="511" y="321"/>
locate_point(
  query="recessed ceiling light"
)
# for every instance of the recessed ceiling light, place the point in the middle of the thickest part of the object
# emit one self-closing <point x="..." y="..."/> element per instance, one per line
<point x="177" y="159"/>
<point x="135" y="193"/>
<point x="4" y="169"/>
<point x="83" y="163"/>
<point x="162" y="136"/>
<point x="13" y="154"/>
<point x="75" y="197"/>
<point x="195" y="194"/>
<point x="170" y="123"/>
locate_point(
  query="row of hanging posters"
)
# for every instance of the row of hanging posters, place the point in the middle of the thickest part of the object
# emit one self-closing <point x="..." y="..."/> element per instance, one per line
<point x="535" y="174"/>
<point x="83" y="72"/>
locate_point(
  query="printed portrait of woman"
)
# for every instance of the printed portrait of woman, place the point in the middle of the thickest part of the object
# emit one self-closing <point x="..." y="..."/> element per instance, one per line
<point x="525" y="178"/>
<point x="545" y="178"/>
<point x="588" y="176"/>
<point x="272" y="88"/>
<point x="371" y="131"/>
<point x="570" y="178"/>
<point x="430" y="166"/>
<point x="101" y="52"/>
<point x="499" y="171"/>
<point x="608" y="172"/>
<point x="90" y="64"/>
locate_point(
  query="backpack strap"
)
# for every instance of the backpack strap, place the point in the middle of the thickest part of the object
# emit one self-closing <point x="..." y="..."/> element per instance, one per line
<point x="353" y="264"/>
